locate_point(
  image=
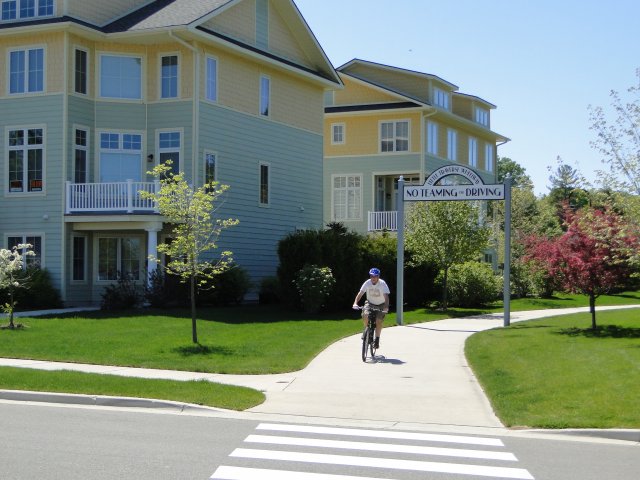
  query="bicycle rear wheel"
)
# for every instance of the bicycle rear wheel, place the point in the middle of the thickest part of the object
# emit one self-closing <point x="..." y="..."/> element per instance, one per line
<point x="365" y="344"/>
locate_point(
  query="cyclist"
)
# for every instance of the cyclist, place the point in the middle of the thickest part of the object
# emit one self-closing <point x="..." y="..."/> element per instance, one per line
<point x="377" y="292"/>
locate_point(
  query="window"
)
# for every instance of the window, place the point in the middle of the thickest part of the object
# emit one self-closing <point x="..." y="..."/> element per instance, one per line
<point x="26" y="71"/>
<point x="169" y="76"/>
<point x="265" y="96"/>
<point x="120" y="77"/>
<point x="209" y="167"/>
<point x="22" y="9"/>
<point x="26" y="159"/>
<point x="212" y="79"/>
<point x="482" y="116"/>
<point x="81" y="150"/>
<point x="337" y="133"/>
<point x="169" y="149"/>
<point x="347" y="194"/>
<point x="394" y="136"/>
<point x="441" y="98"/>
<point x="452" y="144"/>
<point x="79" y="259"/>
<point x="488" y="157"/>
<point x="119" y="256"/>
<point x="81" y="70"/>
<point x="473" y="152"/>
<point x="36" y="247"/>
<point x="432" y="138"/>
<point x="120" y="156"/>
<point x="264" y="184"/>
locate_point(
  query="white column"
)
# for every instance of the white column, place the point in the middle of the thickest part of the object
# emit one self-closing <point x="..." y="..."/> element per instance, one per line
<point x="152" y="249"/>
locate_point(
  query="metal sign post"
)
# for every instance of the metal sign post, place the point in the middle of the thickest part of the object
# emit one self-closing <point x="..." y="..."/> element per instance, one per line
<point x="430" y="192"/>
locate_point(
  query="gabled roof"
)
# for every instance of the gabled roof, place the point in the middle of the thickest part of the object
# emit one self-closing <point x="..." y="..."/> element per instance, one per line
<point x="167" y="13"/>
<point x="402" y="96"/>
<point x="189" y="15"/>
<point x="357" y="61"/>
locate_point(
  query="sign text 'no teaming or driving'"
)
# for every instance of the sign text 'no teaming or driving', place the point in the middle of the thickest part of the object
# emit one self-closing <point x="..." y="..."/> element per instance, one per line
<point x="453" y="192"/>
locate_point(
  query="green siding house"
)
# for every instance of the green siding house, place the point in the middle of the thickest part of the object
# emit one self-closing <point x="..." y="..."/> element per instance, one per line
<point x="93" y="94"/>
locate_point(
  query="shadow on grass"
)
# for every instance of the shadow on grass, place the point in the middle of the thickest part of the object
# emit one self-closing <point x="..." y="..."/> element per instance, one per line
<point x="198" y="349"/>
<point x="606" y="331"/>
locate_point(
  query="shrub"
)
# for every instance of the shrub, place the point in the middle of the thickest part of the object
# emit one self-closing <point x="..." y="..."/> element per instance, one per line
<point x="39" y="293"/>
<point x="472" y="284"/>
<point x="336" y="248"/>
<point x="314" y="284"/>
<point x="269" y="291"/>
<point x="157" y="292"/>
<point x="121" y="295"/>
<point x="226" y="288"/>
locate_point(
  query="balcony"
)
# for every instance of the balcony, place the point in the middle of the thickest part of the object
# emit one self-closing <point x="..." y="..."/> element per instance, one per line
<point x="383" y="222"/>
<point x="117" y="197"/>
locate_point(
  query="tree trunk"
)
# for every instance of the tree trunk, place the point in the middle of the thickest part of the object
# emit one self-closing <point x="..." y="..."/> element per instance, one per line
<point x="12" y="306"/>
<point x="592" y="309"/>
<point x="444" y="289"/>
<point x="194" y="331"/>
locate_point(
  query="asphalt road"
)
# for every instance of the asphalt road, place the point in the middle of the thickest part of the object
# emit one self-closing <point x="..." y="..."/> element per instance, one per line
<point x="54" y="442"/>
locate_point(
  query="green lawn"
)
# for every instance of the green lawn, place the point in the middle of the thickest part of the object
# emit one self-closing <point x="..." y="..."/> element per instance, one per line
<point x="557" y="373"/>
<point x="239" y="340"/>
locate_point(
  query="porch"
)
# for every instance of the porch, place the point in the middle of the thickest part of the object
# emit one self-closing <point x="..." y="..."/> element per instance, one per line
<point x="114" y="197"/>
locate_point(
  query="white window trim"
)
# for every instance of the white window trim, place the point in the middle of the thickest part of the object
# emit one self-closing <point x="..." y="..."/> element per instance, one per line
<point x="96" y="250"/>
<point x="446" y="96"/>
<point x="473" y="152"/>
<point x="85" y="261"/>
<point x="481" y="116"/>
<point x="163" y="150"/>
<point x="204" y="164"/>
<point x="35" y="17"/>
<point x="24" y="237"/>
<point x="333" y="210"/>
<point x="344" y="133"/>
<point x="86" y="148"/>
<point x="489" y="162"/>
<point x="25" y="191"/>
<point x="432" y="140"/>
<point x="452" y="147"/>
<point x="143" y="75"/>
<point x="269" y="102"/>
<point x="179" y="83"/>
<point x="98" y="148"/>
<point x="206" y="78"/>
<point x="269" y="170"/>
<point x="25" y="49"/>
<point x="85" y="50"/>
<point x="395" y="138"/>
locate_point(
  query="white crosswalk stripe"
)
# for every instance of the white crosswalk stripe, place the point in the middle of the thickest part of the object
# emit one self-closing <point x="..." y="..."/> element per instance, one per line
<point x="413" y="457"/>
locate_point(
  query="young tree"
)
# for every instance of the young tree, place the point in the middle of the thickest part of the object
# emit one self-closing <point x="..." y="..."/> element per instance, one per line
<point x="11" y="264"/>
<point x="618" y="140"/>
<point x="195" y="231"/>
<point x="445" y="234"/>
<point x="593" y="256"/>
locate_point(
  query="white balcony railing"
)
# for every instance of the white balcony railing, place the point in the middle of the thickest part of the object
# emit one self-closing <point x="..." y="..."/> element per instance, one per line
<point x="383" y="221"/>
<point x="110" y="197"/>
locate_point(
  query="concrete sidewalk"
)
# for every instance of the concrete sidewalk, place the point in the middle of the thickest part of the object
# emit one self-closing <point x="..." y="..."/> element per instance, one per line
<point x="421" y="376"/>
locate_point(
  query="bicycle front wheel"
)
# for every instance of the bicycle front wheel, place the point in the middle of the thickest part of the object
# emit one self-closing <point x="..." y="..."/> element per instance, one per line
<point x="365" y="344"/>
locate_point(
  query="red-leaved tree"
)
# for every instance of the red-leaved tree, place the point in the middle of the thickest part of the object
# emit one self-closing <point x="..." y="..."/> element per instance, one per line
<point x="591" y="257"/>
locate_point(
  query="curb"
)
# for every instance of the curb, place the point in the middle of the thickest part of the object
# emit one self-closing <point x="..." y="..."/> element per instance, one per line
<point x="99" y="400"/>
<point x="627" y="435"/>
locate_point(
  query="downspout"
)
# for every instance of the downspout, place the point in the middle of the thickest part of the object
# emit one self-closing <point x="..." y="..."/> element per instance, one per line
<point x="195" y="122"/>
<point x="65" y="141"/>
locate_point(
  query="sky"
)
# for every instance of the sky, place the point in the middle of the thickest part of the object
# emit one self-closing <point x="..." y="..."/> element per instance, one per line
<point x="541" y="62"/>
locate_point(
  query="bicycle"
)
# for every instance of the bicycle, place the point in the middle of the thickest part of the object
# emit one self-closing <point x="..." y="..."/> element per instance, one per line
<point x="368" y="337"/>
